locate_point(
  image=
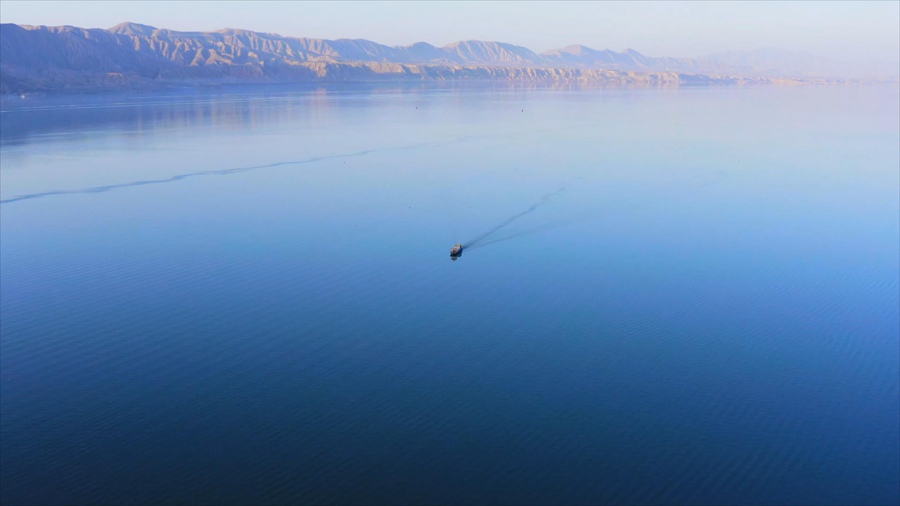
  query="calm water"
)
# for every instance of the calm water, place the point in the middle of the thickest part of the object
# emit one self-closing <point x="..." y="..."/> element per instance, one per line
<point x="247" y="297"/>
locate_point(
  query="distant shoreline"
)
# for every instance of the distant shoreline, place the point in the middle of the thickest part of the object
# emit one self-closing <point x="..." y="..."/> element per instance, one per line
<point x="40" y="88"/>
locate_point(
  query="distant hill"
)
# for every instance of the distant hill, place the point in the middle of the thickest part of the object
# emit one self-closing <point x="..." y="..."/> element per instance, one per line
<point x="135" y="55"/>
<point x="774" y="62"/>
<point x="585" y="57"/>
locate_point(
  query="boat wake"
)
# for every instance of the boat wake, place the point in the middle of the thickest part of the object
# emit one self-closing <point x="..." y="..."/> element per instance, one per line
<point x="490" y="237"/>
<point x="501" y="232"/>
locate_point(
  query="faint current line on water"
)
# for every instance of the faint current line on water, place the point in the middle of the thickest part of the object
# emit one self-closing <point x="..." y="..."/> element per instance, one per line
<point x="178" y="177"/>
<point x="221" y="172"/>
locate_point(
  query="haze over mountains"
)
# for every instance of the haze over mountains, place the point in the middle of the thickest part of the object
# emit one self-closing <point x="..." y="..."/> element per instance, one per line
<point x="131" y="54"/>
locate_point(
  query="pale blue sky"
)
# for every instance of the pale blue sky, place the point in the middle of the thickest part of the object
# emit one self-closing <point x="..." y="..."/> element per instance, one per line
<point x="840" y="29"/>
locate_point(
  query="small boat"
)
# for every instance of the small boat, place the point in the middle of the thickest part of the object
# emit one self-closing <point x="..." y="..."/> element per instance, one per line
<point x="456" y="251"/>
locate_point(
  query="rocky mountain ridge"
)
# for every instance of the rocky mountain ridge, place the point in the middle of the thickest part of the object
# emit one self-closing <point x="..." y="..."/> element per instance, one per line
<point x="134" y="55"/>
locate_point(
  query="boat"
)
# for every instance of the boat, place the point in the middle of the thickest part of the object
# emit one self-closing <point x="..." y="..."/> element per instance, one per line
<point x="456" y="251"/>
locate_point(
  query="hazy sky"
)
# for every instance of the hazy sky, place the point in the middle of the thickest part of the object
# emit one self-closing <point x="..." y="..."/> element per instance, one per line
<point x="840" y="29"/>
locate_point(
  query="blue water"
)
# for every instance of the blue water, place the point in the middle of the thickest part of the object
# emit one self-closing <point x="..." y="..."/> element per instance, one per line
<point x="245" y="296"/>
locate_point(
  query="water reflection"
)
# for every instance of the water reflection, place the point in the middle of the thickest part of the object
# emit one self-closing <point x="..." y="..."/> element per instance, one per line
<point x="237" y="108"/>
<point x="133" y="114"/>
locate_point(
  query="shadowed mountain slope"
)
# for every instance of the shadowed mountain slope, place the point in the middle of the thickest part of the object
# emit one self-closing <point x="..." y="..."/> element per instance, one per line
<point x="73" y="47"/>
<point x="132" y="54"/>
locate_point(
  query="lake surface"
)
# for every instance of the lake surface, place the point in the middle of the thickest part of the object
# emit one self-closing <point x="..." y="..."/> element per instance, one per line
<point x="687" y="296"/>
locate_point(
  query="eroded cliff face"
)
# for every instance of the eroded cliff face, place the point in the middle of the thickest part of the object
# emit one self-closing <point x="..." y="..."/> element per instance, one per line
<point x="139" y="56"/>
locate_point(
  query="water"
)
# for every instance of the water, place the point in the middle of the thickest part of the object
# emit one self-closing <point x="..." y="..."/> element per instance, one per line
<point x="246" y="296"/>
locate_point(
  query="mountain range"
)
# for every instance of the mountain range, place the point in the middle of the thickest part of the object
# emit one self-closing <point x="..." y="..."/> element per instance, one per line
<point x="135" y="55"/>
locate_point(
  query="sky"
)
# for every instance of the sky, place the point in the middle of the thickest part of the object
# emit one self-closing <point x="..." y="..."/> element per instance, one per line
<point x="846" y="30"/>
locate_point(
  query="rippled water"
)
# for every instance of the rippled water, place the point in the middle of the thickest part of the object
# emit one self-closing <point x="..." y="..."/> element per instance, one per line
<point x="246" y="296"/>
